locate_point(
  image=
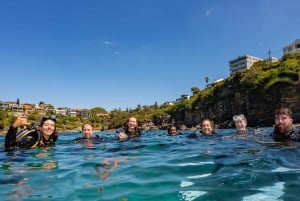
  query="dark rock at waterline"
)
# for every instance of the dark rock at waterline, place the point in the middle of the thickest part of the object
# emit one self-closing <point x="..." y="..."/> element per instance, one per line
<point x="257" y="105"/>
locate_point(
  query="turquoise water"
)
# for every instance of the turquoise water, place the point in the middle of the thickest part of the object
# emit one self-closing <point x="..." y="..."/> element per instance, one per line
<point x="154" y="167"/>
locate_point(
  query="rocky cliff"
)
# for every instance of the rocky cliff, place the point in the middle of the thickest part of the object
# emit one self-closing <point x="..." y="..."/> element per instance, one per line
<point x="257" y="104"/>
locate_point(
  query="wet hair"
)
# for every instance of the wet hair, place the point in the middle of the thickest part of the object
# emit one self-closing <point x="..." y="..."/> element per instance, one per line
<point x="45" y="118"/>
<point x="136" y="132"/>
<point x="239" y="117"/>
<point x="212" y="123"/>
<point x="169" y="129"/>
<point x="283" y="110"/>
<point x="87" y="123"/>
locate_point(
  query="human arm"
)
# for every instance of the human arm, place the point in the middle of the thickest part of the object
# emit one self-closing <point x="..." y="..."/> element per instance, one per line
<point x="10" y="138"/>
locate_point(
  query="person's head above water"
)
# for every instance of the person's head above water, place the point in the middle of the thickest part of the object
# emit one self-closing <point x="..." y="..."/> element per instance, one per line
<point x="131" y="129"/>
<point x="240" y="122"/>
<point x="87" y="130"/>
<point x="131" y="124"/>
<point x="48" y="127"/>
<point x="284" y="130"/>
<point x="207" y="127"/>
<point x="172" y="130"/>
<point x="283" y="119"/>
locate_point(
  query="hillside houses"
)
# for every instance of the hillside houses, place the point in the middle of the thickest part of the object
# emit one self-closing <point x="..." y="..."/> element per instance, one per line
<point x="26" y="109"/>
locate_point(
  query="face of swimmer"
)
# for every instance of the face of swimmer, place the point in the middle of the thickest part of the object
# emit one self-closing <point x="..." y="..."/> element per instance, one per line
<point x="48" y="128"/>
<point x="172" y="130"/>
<point x="283" y="120"/>
<point x="240" y="122"/>
<point x="240" y="125"/>
<point x="87" y="130"/>
<point x="207" y="127"/>
<point x="132" y="123"/>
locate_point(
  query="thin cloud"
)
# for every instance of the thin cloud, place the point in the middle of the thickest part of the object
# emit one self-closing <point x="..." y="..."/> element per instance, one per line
<point x="117" y="53"/>
<point x="210" y="11"/>
<point x="109" y="43"/>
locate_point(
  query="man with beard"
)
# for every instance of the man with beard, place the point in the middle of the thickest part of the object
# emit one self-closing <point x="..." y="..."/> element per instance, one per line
<point x="284" y="128"/>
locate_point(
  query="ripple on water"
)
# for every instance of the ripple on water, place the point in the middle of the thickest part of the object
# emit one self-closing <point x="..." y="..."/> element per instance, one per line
<point x="154" y="167"/>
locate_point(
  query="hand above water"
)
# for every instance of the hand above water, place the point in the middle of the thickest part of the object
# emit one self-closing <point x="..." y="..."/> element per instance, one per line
<point x="122" y="136"/>
<point x="20" y="121"/>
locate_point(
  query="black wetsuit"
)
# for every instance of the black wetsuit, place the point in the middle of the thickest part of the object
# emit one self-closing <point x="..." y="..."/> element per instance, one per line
<point x="136" y="133"/>
<point x="200" y="133"/>
<point x="292" y="134"/>
<point x="11" y="140"/>
<point x="130" y="134"/>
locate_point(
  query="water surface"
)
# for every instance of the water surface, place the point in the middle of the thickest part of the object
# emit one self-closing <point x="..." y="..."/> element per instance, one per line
<point x="154" y="167"/>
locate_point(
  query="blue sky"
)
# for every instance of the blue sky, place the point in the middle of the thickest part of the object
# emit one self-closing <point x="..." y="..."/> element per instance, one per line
<point x="123" y="53"/>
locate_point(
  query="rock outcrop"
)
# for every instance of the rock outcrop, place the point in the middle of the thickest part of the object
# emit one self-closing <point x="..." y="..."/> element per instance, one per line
<point x="258" y="105"/>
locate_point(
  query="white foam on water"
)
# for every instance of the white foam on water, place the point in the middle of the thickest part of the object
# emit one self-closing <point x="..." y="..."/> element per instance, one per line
<point x="284" y="169"/>
<point x="186" y="183"/>
<point x="199" y="176"/>
<point x="190" y="195"/>
<point x="194" y="164"/>
<point x="270" y="193"/>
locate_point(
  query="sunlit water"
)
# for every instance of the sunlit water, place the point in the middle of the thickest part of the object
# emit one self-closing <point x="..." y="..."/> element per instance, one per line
<point x="154" y="167"/>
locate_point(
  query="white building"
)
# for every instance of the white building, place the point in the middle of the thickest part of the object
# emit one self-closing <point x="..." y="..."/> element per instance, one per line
<point x="272" y="59"/>
<point x="215" y="82"/>
<point x="185" y="97"/>
<point x="242" y="63"/>
<point x="61" y="111"/>
<point x="292" y="48"/>
<point x="168" y="103"/>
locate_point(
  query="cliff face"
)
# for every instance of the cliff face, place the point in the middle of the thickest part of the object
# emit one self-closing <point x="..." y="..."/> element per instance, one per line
<point x="257" y="105"/>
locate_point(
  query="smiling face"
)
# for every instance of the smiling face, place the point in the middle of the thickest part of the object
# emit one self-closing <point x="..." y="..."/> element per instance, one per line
<point x="47" y="128"/>
<point x="206" y="127"/>
<point x="87" y="130"/>
<point x="172" y="130"/>
<point x="132" y="123"/>
<point x="240" y="125"/>
<point x="283" y="123"/>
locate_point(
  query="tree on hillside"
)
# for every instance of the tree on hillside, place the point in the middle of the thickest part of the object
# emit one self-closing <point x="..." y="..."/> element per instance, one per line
<point x="98" y="109"/>
<point x="138" y="107"/>
<point x="206" y="80"/>
<point x="195" y="90"/>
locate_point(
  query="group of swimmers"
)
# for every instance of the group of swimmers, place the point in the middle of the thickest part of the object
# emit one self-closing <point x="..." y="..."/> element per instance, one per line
<point x="284" y="129"/>
<point x="23" y="135"/>
<point x="46" y="134"/>
<point x="207" y="127"/>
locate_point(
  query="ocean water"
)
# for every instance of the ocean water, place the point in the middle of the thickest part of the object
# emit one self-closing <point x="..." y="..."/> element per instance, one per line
<point x="154" y="167"/>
